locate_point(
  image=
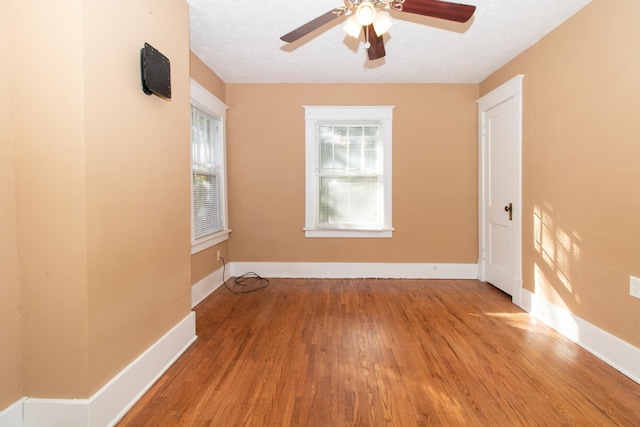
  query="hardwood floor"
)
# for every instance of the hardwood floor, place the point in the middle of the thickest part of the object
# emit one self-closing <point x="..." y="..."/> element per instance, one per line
<point x="381" y="353"/>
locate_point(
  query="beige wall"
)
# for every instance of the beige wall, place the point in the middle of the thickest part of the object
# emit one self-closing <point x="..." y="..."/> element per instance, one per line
<point x="50" y="195"/>
<point x="10" y="356"/>
<point x="137" y="161"/>
<point x="205" y="262"/>
<point x="101" y="190"/>
<point x="581" y="145"/>
<point x="434" y="173"/>
<point x="201" y="73"/>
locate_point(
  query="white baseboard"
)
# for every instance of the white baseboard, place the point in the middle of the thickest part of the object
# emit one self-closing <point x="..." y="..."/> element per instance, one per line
<point x="319" y="270"/>
<point x="109" y="404"/>
<point x="206" y="286"/>
<point x="12" y="416"/>
<point x="332" y="270"/>
<point x="610" y="349"/>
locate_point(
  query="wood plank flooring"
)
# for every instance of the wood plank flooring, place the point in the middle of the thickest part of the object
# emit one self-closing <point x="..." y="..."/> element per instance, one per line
<point x="308" y="352"/>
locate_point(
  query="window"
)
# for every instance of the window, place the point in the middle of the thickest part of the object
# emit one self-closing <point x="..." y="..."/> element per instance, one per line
<point x="348" y="171"/>
<point x="208" y="170"/>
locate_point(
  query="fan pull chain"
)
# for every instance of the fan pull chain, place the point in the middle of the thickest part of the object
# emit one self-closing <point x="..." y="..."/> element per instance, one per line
<point x="367" y="45"/>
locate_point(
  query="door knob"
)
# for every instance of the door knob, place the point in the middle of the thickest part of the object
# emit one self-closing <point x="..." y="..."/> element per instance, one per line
<point x="509" y="208"/>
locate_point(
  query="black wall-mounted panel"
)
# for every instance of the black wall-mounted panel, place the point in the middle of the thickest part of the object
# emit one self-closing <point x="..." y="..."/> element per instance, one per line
<point x="156" y="72"/>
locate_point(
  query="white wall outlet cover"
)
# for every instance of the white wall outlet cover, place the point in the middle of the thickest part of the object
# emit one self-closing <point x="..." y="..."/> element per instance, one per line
<point x="634" y="286"/>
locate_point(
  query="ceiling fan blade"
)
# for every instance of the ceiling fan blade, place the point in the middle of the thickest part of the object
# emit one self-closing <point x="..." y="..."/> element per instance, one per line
<point x="376" y="44"/>
<point x="440" y="9"/>
<point x="312" y="25"/>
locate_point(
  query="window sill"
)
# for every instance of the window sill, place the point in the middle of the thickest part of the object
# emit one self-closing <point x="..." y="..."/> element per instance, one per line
<point x="212" y="240"/>
<point x="337" y="233"/>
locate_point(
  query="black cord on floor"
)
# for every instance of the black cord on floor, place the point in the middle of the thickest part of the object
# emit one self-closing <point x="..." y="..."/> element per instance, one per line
<point x="244" y="280"/>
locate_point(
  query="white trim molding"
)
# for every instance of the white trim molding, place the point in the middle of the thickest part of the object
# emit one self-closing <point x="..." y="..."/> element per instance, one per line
<point x="109" y="404"/>
<point x="331" y="114"/>
<point x="610" y="349"/>
<point x="209" y="103"/>
<point x="206" y="286"/>
<point x="318" y="270"/>
<point x="12" y="415"/>
<point x="510" y="90"/>
<point x="208" y="241"/>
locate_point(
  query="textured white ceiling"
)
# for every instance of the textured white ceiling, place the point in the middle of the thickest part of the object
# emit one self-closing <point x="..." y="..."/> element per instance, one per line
<point x="240" y="41"/>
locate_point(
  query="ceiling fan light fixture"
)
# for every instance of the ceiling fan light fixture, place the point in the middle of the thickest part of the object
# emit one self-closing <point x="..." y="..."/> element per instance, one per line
<point x="366" y="13"/>
<point x="353" y="27"/>
<point x="382" y="23"/>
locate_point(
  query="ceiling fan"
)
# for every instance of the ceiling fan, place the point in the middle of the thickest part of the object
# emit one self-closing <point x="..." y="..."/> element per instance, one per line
<point x="367" y="15"/>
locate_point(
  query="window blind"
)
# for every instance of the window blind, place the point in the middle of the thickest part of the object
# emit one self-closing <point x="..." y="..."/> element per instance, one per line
<point x="349" y="175"/>
<point x="207" y="176"/>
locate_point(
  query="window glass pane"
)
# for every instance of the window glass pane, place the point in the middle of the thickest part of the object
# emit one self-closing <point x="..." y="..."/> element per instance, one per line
<point x="206" y="135"/>
<point x="326" y="153"/>
<point x="356" y="131"/>
<point x="206" y="205"/>
<point x="340" y="133"/>
<point x="349" y="187"/>
<point x="325" y="131"/>
<point x="340" y="157"/>
<point x="370" y="154"/>
<point x="206" y="162"/>
<point x="349" y="149"/>
<point x="371" y="131"/>
<point x="355" y="151"/>
<point x="349" y="202"/>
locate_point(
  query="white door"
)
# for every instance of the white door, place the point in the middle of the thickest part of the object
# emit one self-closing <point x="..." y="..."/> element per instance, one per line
<point x="500" y="187"/>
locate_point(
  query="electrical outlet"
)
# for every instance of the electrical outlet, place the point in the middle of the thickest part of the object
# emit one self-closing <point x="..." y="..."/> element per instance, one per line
<point x="634" y="286"/>
<point x="218" y="255"/>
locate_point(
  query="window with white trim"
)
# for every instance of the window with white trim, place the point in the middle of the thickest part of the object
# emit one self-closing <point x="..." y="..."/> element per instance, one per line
<point x="348" y="171"/>
<point x="208" y="170"/>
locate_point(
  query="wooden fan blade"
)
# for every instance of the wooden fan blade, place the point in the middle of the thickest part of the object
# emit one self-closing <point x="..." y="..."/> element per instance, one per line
<point x="376" y="44"/>
<point x="440" y="9"/>
<point x="312" y="25"/>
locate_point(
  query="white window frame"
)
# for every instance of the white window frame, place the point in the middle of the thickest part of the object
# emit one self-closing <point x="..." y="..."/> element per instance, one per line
<point x="318" y="114"/>
<point x="206" y="101"/>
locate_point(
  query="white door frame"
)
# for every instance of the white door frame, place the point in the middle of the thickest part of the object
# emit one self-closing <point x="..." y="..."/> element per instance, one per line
<point x="508" y="90"/>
